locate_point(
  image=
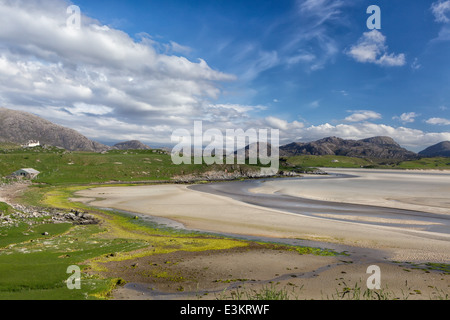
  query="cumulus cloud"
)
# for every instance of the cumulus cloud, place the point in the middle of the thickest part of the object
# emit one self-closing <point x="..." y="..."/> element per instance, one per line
<point x="440" y="10"/>
<point x="407" y="117"/>
<point x="372" y="48"/>
<point x="96" y="70"/>
<point x="102" y="82"/>
<point x="409" y="138"/>
<point x="283" y="125"/>
<point x="363" y="115"/>
<point x="413" y="139"/>
<point x="438" y="121"/>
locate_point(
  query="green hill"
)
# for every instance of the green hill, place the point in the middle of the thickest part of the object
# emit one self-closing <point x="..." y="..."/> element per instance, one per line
<point x="59" y="167"/>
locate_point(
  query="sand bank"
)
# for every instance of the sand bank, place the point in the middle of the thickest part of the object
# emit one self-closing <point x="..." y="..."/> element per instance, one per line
<point x="208" y="212"/>
<point x="426" y="191"/>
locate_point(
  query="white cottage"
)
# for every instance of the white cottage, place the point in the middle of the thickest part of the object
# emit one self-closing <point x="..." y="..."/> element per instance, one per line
<point x="32" y="144"/>
<point x="28" y="173"/>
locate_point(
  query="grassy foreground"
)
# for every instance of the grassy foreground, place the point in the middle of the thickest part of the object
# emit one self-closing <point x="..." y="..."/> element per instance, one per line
<point x="59" y="167"/>
<point x="34" y="258"/>
<point x="34" y="266"/>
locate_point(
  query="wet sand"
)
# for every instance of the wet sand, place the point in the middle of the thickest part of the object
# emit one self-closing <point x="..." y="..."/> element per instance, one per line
<point x="426" y="191"/>
<point x="376" y="234"/>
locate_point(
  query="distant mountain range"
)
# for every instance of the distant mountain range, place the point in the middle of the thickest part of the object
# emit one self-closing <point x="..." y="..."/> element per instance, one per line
<point x="376" y="148"/>
<point x="131" y="145"/>
<point x="442" y="149"/>
<point x="20" y="127"/>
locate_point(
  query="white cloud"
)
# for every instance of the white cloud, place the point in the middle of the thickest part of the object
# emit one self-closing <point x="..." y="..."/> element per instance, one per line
<point x="371" y="48"/>
<point x="312" y="42"/>
<point x="409" y="138"/>
<point x="315" y="104"/>
<point x="97" y="70"/>
<point x="415" y="65"/>
<point x="407" y="117"/>
<point x="440" y="10"/>
<point x="438" y="121"/>
<point x="176" y="47"/>
<point x="261" y="61"/>
<point x="413" y="139"/>
<point x="301" y="58"/>
<point x="321" y="10"/>
<point x="283" y="125"/>
<point x="363" y="115"/>
<point x="101" y="82"/>
<point x="83" y="108"/>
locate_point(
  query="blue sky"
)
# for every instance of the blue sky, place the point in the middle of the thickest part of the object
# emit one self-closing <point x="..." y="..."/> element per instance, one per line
<point x="310" y="68"/>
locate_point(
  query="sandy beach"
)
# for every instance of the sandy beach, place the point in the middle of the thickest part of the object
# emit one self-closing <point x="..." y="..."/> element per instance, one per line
<point x="370" y="242"/>
<point x="414" y="189"/>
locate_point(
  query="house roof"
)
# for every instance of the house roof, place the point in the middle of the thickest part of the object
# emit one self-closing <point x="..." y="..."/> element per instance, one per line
<point x="29" y="171"/>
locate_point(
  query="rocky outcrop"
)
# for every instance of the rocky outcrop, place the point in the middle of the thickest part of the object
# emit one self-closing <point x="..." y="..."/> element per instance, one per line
<point x="30" y="216"/>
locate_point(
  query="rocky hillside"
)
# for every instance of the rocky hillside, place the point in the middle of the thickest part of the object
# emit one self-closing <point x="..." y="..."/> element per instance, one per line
<point x="21" y="127"/>
<point x="255" y="150"/>
<point x="441" y="149"/>
<point x="375" y="148"/>
<point x="131" y="145"/>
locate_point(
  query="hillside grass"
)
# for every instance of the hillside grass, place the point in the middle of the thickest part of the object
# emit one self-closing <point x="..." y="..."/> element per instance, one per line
<point x="328" y="161"/>
<point x="308" y="161"/>
<point x="59" y="167"/>
<point x="9" y="146"/>
<point x="438" y="163"/>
